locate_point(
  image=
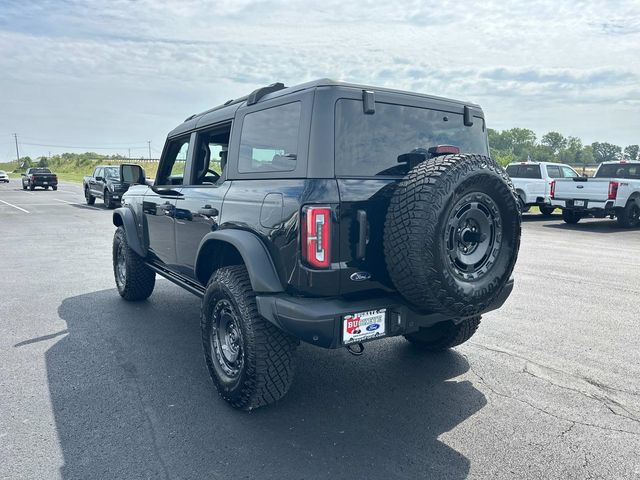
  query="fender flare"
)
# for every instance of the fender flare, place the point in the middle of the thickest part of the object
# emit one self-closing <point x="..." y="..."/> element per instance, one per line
<point x="124" y="217"/>
<point x="256" y="257"/>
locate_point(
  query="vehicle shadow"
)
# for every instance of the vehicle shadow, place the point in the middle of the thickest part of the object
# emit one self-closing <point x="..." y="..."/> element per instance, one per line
<point x="537" y="217"/>
<point x="593" y="225"/>
<point x="132" y="399"/>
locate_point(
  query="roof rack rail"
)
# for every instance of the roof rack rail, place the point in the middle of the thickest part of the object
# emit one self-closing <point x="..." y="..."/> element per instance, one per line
<point x="190" y="117"/>
<point x="256" y="95"/>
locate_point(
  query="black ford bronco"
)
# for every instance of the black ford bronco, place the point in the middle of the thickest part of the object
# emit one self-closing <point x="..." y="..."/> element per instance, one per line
<point x="330" y="213"/>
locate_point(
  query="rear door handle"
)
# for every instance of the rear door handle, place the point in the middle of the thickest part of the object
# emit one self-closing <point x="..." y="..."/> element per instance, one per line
<point x="208" y="211"/>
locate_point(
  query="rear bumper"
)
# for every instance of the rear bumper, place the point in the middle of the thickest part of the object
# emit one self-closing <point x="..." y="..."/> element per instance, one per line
<point x="585" y="206"/>
<point x="319" y="320"/>
<point x="44" y="183"/>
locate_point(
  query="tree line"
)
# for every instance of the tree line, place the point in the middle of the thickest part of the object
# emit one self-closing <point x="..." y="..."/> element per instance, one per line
<point x="77" y="159"/>
<point x="518" y="144"/>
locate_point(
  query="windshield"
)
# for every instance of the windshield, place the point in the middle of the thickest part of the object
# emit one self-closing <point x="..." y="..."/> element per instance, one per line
<point x="369" y="145"/>
<point x="112" y="172"/>
<point x="619" y="170"/>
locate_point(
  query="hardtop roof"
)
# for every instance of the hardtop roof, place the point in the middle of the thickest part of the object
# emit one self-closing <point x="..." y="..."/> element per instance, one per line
<point x="228" y="108"/>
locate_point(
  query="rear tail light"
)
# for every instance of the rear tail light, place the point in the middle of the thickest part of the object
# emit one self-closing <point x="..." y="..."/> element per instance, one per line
<point x="613" y="190"/>
<point x="316" y="236"/>
<point x="553" y="189"/>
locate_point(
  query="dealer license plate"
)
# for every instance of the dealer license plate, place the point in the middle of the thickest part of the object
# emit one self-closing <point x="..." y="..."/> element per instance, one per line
<point x="45" y="183"/>
<point x="578" y="203"/>
<point x="363" y="326"/>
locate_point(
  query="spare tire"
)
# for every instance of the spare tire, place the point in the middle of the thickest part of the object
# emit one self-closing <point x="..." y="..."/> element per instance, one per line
<point x="452" y="234"/>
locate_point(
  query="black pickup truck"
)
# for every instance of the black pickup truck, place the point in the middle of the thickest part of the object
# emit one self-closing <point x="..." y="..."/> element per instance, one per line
<point x="105" y="183"/>
<point x="39" y="177"/>
<point x="331" y="213"/>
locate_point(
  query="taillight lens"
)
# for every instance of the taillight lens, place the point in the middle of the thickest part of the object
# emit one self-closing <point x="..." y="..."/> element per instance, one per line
<point x="316" y="236"/>
<point x="553" y="189"/>
<point x="613" y="190"/>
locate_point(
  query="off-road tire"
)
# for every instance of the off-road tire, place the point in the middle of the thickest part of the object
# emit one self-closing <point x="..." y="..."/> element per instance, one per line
<point x="267" y="368"/>
<point x="139" y="280"/>
<point x="54" y="188"/>
<point x="571" y="217"/>
<point x="629" y="215"/>
<point x="444" y="335"/>
<point x="24" y="186"/>
<point x="546" y="211"/>
<point x="415" y="240"/>
<point x="46" y="187"/>
<point x="90" y="199"/>
<point x="108" y="200"/>
<point x="524" y="208"/>
<point x="32" y="187"/>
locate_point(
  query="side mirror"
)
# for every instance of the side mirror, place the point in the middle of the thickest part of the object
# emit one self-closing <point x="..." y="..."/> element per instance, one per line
<point x="99" y="179"/>
<point x="132" y="174"/>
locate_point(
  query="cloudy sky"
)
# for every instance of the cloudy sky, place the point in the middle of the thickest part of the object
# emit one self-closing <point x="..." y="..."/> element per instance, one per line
<point x="117" y="73"/>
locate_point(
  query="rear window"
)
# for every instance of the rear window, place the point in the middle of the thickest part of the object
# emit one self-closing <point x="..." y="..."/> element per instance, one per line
<point x="40" y="170"/>
<point x="524" y="171"/>
<point x="369" y="145"/>
<point x="619" y="170"/>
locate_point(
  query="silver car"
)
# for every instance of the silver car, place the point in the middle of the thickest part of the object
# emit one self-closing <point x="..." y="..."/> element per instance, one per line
<point x="4" y="177"/>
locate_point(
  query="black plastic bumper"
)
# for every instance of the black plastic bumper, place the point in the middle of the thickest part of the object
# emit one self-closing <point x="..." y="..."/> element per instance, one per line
<point x="319" y="320"/>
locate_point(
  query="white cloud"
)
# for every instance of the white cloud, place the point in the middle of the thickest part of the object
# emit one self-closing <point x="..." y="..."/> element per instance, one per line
<point x="129" y="71"/>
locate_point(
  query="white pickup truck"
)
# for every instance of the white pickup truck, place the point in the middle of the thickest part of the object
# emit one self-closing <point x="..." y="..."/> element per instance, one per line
<point x="614" y="191"/>
<point x="532" y="181"/>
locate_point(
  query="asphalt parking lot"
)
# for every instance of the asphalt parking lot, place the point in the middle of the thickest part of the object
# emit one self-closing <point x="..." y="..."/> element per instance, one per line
<point x="94" y="387"/>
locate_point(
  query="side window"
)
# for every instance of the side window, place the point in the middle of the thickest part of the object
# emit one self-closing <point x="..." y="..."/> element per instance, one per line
<point x="269" y="140"/>
<point x="512" y="171"/>
<point x="553" y="171"/>
<point x="171" y="170"/>
<point x="98" y="172"/>
<point x="568" y="172"/>
<point x="211" y="155"/>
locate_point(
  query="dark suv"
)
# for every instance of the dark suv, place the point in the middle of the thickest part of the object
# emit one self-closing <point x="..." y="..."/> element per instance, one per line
<point x="327" y="212"/>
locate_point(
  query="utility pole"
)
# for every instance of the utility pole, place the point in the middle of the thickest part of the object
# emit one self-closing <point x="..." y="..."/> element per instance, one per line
<point x="129" y="156"/>
<point x="149" y="144"/>
<point x="15" y="136"/>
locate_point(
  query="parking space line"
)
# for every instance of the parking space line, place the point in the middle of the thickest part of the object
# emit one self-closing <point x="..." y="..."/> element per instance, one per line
<point x="15" y="206"/>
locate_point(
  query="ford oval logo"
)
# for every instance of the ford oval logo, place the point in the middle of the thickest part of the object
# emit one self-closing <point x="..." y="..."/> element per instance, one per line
<point x="360" y="276"/>
<point x="372" y="327"/>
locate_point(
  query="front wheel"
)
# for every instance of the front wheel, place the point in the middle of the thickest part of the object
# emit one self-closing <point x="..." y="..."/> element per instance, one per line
<point x="571" y="217"/>
<point x="134" y="279"/>
<point x="90" y="199"/>
<point x="547" y="211"/>
<point x="250" y="360"/>
<point x="24" y="187"/>
<point x="629" y="217"/>
<point x="444" y="335"/>
<point x="31" y="187"/>
<point x="54" y="188"/>
<point x="108" y="200"/>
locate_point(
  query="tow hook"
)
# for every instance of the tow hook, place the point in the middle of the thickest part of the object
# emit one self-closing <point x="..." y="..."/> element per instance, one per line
<point x="356" y="349"/>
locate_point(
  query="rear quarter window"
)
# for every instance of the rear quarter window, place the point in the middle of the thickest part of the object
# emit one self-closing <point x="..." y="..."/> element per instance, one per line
<point x="269" y="139"/>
